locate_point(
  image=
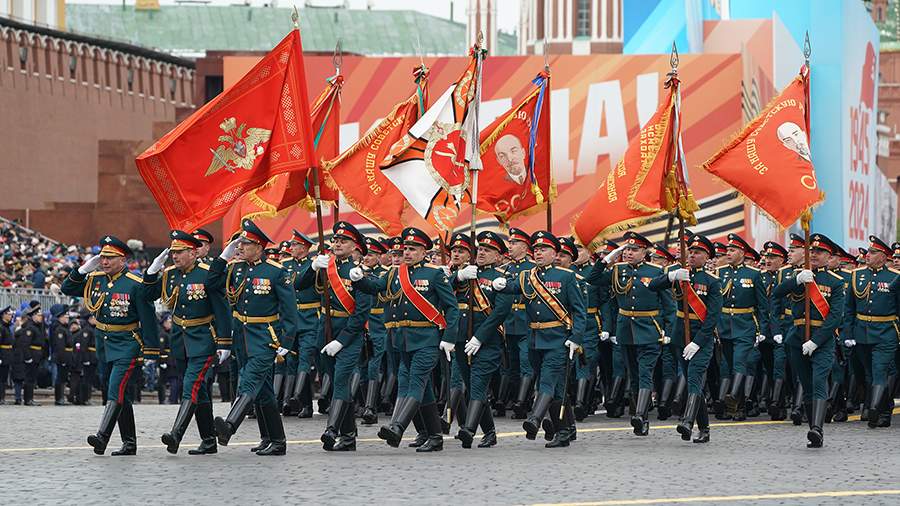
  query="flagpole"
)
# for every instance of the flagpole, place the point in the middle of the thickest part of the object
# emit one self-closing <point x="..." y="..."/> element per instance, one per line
<point x="549" y="204"/>
<point x="326" y="295"/>
<point x="807" y="217"/>
<point x="474" y="168"/>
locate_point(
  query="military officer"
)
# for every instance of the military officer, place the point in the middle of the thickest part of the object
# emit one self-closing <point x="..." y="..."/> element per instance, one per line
<point x="668" y="358"/>
<point x="423" y="320"/>
<point x="264" y="313"/>
<point x="206" y="239"/>
<point x="812" y="358"/>
<point x="395" y="253"/>
<point x="309" y="303"/>
<point x="372" y="264"/>
<point x="895" y="256"/>
<point x="63" y="351"/>
<point x="555" y="306"/>
<point x="644" y="316"/>
<point x="871" y="330"/>
<point x="612" y="357"/>
<point x="6" y="350"/>
<point x="585" y="372"/>
<point x="126" y="324"/>
<point x="516" y="325"/>
<point x="349" y="311"/>
<point x="485" y="346"/>
<point x="89" y="357"/>
<point x="30" y="347"/>
<point x="771" y="349"/>
<point x="704" y="302"/>
<point x="721" y="257"/>
<point x="461" y="253"/>
<point x="745" y="308"/>
<point x="200" y="316"/>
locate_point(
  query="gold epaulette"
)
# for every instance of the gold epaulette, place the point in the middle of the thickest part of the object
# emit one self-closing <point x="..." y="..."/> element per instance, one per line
<point x="720" y="267"/>
<point x="848" y="271"/>
<point x="860" y="269"/>
<point x="837" y="276"/>
<point x="134" y="277"/>
<point x="658" y="266"/>
<point x="713" y="275"/>
<point x="618" y="264"/>
<point x="783" y="267"/>
<point x="563" y="268"/>
<point x="273" y="262"/>
<point x="895" y="271"/>
<point x="203" y="265"/>
<point x="169" y="268"/>
<point x="752" y="268"/>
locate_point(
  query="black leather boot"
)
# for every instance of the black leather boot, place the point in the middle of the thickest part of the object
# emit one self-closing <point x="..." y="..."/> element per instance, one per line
<point x="832" y="396"/>
<point x="390" y="384"/>
<point x="664" y="410"/>
<point x="614" y="406"/>
<point x="355" y="381"/>
<point x="502" y="394"/>
<point x="552" y="423"/>
<point x="565" y="429"/>
<point x="488" y="430"/>
<point x="325" y="394"/>
<point x="173" y="438"/>
<point x="435" y="442"/>
<point x="526" y="388"/>
<point x="29" y="395"/>
<point x="336" y="414"/>
<point x="876" y="394"/>
<point x="288" y="408"/>
<point x="719" y="403"/>
<point x="370" y="415"/>
<point x="59" y="390"/>
<point x="533" y="422"/>
<point x="743" y="400"/>
<point x="204" y="418"/>
<point x="797" y="409"/>
<point x="294" y="403"/>
<point x="454" y="406"/>
<point x="263" y="428"/>
<point x="582" y="405"/>
<point x="839" y="404"/>
<point x="277" y="441"/>
<point x="702" y="423"/>
<point x="886" y="410"/>
<point x="639" y="421"/>
<point x="734" y="398"/>
<point x="691" y="407"/>
<point x="466" y="433"/>
<point x="277" y="384"/>
<point x="817" y="418"/>
<point x="347" y="441"/>
<point x="406" y="408"/>
<point x="776" y="408"/>
<point x="226" y="427"/>
<point x="421" y="431"/>
<point x="107" y="422"/>
<point x="680" y="398"/>
<point x="127" y="432"/>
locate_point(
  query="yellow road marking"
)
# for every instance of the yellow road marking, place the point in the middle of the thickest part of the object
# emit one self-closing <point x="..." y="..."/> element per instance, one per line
<point x="729" y="498"/>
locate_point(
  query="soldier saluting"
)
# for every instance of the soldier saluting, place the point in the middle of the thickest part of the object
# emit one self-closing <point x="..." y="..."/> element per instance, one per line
<point x="126" y="324"/>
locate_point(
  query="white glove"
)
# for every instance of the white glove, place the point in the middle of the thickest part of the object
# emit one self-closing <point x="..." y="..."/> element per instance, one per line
<point x="850" y="343"/>
<point x="679" y="275"/>
<point x="448" y="349"/>
<point x="760" y="338"/>
<point x="498" y="284"/>
<point x="806" y="276"/>
<point x="163" y="365"/>
<point x="446" y="269"/>
<point x="158" y="262"/>
<point x="150" y="362"/>
<point x="320" y="262"/>
<point x="281" y="351"/>
<point x="809" y="347"/>
<point x="690" y="350"/>
<point x="29" y="361"/>
<point x="472" y="346"/>
<point x="613" y="255"/>
<point x="229" y="251"/>
<point x="77" y="346"/>
<point x="613" y="339"/>
<point x="85" y="363"/>
<point x="331" y="349"/>
<point x="572" y="348"/>
<point x="468" y="272"/>
<point x="604" y="336"/>
<point x="90" y="264"/>
<point x="223" y="355"/>
<point x="664" y="339"/>
<point x="778" y="338"/>
<point x="356" y="274"/>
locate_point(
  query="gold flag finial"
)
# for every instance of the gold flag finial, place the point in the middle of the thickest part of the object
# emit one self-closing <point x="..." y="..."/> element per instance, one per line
<point x="295" y="18"/>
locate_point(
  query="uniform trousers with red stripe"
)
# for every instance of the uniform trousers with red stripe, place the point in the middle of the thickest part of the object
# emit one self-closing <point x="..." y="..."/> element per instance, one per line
<point x="122" y="374"/>
<point x="194" y="386"/>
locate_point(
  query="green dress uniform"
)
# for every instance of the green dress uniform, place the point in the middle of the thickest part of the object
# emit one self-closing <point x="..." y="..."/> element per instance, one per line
<point x="378" y="337"/>
<point x="309" y="339"/>
<point x="516" y="330"/>
<point x="813" y="367"/>
<point x="643" y="317"/>
<point x="126" y="324"/>
<point x="456" y="405"/>
<point x="873" y="303"/>
<point x="772" y="352"/>
<point x="264" y="315"/>
<point x="585" y="372"/>
<point x="554" y="302"/>
<point x="418" y="338"/>
<point x="612" y="357"/>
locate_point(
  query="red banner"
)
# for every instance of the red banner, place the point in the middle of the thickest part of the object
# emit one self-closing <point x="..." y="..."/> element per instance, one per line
<point x="769" y="162"/>
<point x="256" y="129"/>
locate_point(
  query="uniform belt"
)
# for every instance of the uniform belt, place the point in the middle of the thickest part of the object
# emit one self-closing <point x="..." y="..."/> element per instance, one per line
<point x="339" y="314"/>
<point x="877" y="319"/>
<point x="254" y="319"/>
<point x="802" y="321"/>
<point x="116" y="328"/>
<point x="789" y="312"/>
<point x="92" y="349"/>
<point x="738" y="310"/>
<point x="5" y="346"/>
<point x="692" y="316"/>
<point x="593" y="310"/>
<point x="637" y="314"/>
<point x="69" y="349"/>
<point x="309" y="305"/>
<point x="518" y="306"/>
<point x="36" y="348"/>
<point x="465" y="307"/>
<point x="545" y="325"/>
<point x="192" y="322"/>
<point x="408" y="323"/>
<point x="376" y="310"/>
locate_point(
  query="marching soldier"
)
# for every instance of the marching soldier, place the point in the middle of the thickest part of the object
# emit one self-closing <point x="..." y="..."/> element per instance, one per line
<point x="264" y="314"/>
<point x="895" y="257"/>
<point x="372" y="264"/>
<point x="423" y="320"/>
<point x="6" y="350"/>
<point x="63" y="351"/>
<point x="349" y="311"/>
<point x="585" y="371"/>
<point x="704" y="297"/>
<point x="668" y="353"/>
<point x="30" y="343"/>
<point x="612" y="357"/>
<point x="485" y="347"/>
<point x="812" y="358"/>
<point x="126" y="322"/>
<point x="556" y="314"/>
<point x="200" y="316"/>
<point x="459" y="272"/>
<point x="309" y="303"/>
<point x="643" y="316"/>
<point x="771" y="348"/>
<point x="745" y="307"/>
<point x="871" y="330"/>
<point x="516" y="324"/>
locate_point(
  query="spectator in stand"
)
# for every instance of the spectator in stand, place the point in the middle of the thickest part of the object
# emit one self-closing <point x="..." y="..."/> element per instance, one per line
<point x="38" y="278"/>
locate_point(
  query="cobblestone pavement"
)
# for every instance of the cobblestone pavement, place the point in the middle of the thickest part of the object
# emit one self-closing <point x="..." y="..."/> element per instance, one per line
<point x="44" y="460"/>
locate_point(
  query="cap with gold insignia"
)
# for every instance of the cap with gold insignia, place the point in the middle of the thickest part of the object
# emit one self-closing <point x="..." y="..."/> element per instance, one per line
<point x="773" y="249"/>
<point x="720" y="248"/>
<point x="635" y="240"/>
<point x="347" y="231"/>
<point x="461" y="240"/>
<point x="111" y="246"/>
<point x="182" y="240"/>
<point x="544" y="238"/>
<point x="284" y="247"/>
<point x="395" y="243"/>
<point x="202" y="235"/>
<point x="797" y="241"/>
<point x="492" y="240"/>
<point x="234" y="236"/>
<point x="752" y="255"/>
<point x="659" y="251"/>
<point x="736" y="241"/>
<point x="567" y="245"/>
<point x="610" y="245"/>
<point x="297" y="236"/>
<point x="896" y="248"/>
<point x="412" y="236"/>
<point x="253" y="234"/>
<point x="879" y="245"/>
<point x="861" y="256"/>
<point x="702" y="243"/>
<point x="375" y="246"/>
<point x="823" y="243"/>
<point x="517" y="234"/>
<point x="273" y="253"/>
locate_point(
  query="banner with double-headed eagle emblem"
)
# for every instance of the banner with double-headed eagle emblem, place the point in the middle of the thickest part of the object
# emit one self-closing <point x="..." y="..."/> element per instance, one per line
<point x="256" y="129"/>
